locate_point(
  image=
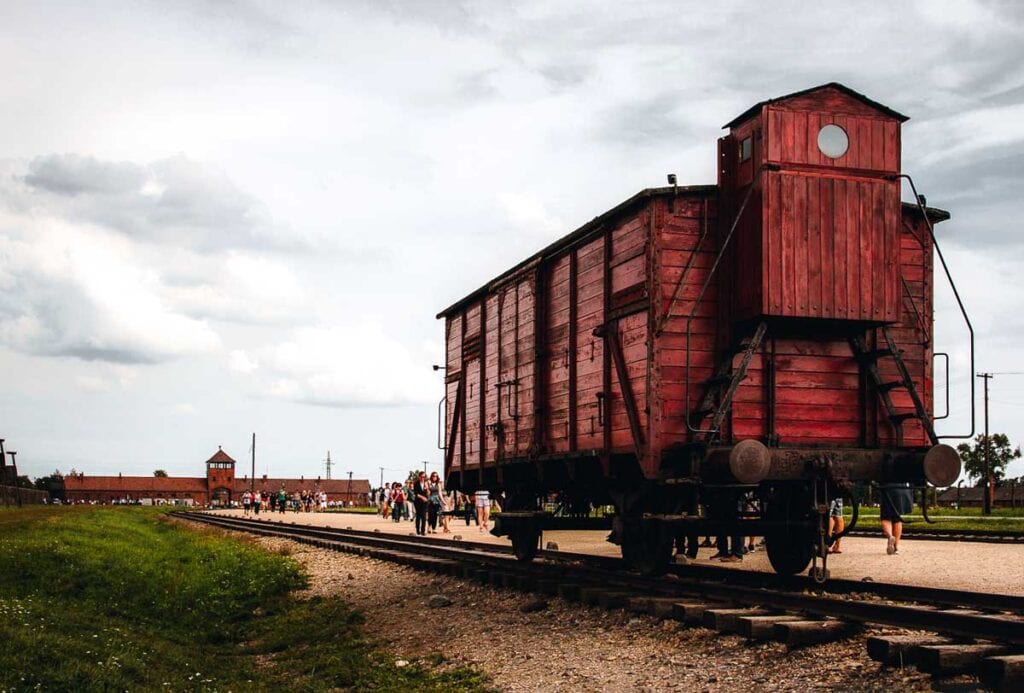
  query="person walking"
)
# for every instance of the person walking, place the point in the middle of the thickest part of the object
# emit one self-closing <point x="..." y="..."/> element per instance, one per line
<point x="246" y="503"/>
<point x="836" y="522"/>
<point x="282" y="500"/>
<point x="483" y="509"/>
<point x="434" y="492"/>
<point x="257" y="501"/>
<point x="897" y="501"/>
<point x="397" y="502"/>
<point x="421" y="498"/>
<point x="447" y="504"/>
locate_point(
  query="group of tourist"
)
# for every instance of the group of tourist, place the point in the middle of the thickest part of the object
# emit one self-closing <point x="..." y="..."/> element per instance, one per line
<point x="305" y="500"/>
<point x="424" y="501"/>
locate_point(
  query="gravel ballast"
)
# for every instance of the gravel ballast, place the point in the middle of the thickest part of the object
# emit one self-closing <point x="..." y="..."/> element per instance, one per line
<point x="526" y="644"/>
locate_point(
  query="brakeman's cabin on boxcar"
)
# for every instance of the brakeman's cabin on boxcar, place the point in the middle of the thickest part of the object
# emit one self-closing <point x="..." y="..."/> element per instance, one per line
<point x="767" y="339"/>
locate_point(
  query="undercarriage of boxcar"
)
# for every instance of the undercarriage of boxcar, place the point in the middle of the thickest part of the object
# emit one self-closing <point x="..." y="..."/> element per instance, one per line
<point x="718" y="360"/>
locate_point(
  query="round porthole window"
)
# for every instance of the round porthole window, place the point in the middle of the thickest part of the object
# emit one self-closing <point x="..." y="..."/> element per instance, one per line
<point x="832" y="141"/>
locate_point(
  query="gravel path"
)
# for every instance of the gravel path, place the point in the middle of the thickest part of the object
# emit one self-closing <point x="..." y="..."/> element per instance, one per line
<point x="571" y="647"/>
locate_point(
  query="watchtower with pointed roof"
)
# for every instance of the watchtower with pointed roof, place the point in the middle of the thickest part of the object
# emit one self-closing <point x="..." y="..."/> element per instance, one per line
<point x="220" y="476"/>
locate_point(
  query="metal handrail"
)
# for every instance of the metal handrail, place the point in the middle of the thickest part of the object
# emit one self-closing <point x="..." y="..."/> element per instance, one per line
<point x="440" y="423"/>
<point x="703" y="290"/>
<point x="956" y="294"/>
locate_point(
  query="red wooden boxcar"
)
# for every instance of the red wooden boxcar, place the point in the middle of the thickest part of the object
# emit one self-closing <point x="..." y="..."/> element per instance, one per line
<point x="765" y="339"/>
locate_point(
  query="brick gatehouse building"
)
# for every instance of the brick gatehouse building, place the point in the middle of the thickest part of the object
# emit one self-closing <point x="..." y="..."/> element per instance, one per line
<point x="220" y="486"/>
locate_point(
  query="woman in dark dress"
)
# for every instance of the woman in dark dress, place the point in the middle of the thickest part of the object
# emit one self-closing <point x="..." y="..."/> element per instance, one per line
<point x="896" y="502"/>
<point x="421" y="497"/>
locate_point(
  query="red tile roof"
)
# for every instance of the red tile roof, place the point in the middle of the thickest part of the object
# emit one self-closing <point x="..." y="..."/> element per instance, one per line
<point x="220" y="456"/>
<point x="135" y="485"/>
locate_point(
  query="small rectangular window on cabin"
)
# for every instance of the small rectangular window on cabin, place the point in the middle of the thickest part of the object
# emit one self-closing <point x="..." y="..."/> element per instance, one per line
<point x="746" y="148"/>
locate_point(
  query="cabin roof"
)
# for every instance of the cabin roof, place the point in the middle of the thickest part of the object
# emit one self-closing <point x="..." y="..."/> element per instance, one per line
<point x="830" y="85"/>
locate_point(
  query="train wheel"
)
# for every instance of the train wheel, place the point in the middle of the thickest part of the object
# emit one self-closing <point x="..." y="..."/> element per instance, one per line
<point x="525" y="543"/>
<point x="789" y="553"/>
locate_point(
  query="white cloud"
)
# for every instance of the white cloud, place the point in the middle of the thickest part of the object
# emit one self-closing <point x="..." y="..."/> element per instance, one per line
<point x="351" y="366"/>
<point x="241" y="362"/>
<point x="75" y="291"/>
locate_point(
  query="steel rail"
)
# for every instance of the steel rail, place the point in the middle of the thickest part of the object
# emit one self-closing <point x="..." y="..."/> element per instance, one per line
<point x="571" y="569"/>
<point x="939" y="597"/>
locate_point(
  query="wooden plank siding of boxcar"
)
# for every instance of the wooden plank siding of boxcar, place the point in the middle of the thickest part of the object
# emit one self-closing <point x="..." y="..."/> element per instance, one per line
<point x="590" y="272"/>
<point x="556" y="349"/>
<point x="628" y="284"/>
<point x="473" y="372"/>
<point x="831" y="247"/>
<point x="676" y="243"/>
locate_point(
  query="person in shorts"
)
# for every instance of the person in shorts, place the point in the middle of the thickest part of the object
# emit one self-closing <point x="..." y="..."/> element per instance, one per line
<point x="896" y="502"/>
<point x="483" y="509"/>
<point x="836" y="522"/>
<point x="246" y="503"/>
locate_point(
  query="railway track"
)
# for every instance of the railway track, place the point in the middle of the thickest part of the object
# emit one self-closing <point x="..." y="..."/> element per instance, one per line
<point x="982" y="536"/>
<point x="967" y="631"/>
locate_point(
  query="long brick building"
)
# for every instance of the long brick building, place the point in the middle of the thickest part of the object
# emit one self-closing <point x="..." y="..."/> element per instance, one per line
<point x="220" y="486"/>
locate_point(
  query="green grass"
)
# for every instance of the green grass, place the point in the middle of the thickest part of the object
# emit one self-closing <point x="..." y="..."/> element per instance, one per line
<point x="948" y="519"/>
<point x="122" y="599"/>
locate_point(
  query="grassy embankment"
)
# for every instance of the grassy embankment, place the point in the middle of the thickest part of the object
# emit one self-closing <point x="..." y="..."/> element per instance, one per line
<point x="124" y="599"/>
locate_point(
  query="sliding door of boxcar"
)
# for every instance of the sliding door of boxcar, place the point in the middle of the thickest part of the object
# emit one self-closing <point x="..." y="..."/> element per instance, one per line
<point x="510" y="359"/>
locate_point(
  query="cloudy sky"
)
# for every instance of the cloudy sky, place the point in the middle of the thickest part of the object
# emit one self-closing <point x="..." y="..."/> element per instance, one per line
<point x="226" y="217"/>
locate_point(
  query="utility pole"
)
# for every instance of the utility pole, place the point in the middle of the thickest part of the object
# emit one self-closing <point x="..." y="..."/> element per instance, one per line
<point x="252" y="479"/>
<point x="350" y="487"/>
<point x="987" y="494"/>
<point x="327" y="464"/>
<point x="424" y="466"/>
<point x="14" y="472"/>
<point x="3" y="473"/>
<point x="381" y="477"/>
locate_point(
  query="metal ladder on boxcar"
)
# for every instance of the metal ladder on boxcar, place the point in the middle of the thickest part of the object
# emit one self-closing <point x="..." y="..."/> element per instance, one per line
<point x="720" y="388"/>
<point x="869" y="358"/>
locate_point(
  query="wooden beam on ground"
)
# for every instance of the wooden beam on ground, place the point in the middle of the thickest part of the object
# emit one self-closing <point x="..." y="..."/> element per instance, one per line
<point x="900" y="650"/>
<point x="727" y="620"/>
<point x="800" y="633"/>
<point x="955" y="659"/>
<point x="762" y="627"/>
<point x="1003" y="673"/>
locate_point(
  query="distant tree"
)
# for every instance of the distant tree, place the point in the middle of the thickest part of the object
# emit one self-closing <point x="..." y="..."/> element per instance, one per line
<point x="52" y="484"/>
<point x="160" y="473"/>
<point x="999" y="454"/>
<point x="25" y="482"/>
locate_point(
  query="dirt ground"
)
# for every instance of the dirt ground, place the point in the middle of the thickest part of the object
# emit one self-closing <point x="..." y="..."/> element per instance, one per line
<point x="996" y="568"/>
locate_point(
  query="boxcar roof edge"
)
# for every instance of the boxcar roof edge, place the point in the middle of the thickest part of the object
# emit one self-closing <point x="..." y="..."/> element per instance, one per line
<point x="579" y="234"/>
<point x="934" y="214"/>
